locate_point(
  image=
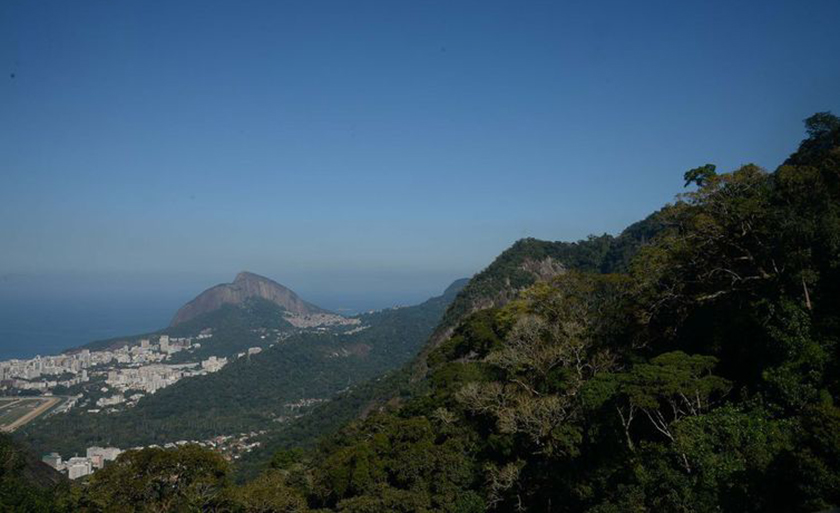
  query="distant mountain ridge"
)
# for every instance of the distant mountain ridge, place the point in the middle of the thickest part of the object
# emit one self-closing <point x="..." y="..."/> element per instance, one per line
<point x="246" y="285"/>
<point x="531" y="260"/>
<point x="262" y="391"/>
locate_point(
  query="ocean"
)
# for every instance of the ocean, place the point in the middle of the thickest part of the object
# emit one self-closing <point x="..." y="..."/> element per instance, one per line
<point x="30" y="327"/>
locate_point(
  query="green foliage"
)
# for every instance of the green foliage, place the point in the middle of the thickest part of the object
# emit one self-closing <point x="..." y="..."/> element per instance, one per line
<point x="727" y="447"/>
<point x="808" y="474"/>
<point x="286" y="458"/>
<point x="235" y="328"/>
<point x="268" y="493"/>
<point x="823" y="130"/>
<point x="25" y="483"/>
<point x="684" y="382"/>
<point x="387" y="461"/>
<point x="700" y="175"/>
<point x="188" y="478"/>
<point x="518" y="268"/>
<point x="475" y="336"/>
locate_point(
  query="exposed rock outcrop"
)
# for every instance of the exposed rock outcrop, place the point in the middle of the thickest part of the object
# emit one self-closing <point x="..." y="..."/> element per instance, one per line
<point x="245" y="285"/>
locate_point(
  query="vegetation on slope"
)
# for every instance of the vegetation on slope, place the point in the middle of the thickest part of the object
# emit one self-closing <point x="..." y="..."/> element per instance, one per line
<point x="529" y="261"/>
<point x="702" y="376"/>
<point x="256" y="392"/>
<point x="233" y="327"/>
<point x="26" y="484"/>
<point x="523" y="264"/>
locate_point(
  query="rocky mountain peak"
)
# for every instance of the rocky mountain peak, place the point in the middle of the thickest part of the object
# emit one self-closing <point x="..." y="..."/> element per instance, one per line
<point x="244" y="286"/>
<point x="249" y="276"/>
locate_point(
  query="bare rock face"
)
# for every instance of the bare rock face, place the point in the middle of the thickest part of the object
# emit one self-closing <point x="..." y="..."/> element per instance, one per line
<point x="245" y="285"/>
<point x="545" y="269"/>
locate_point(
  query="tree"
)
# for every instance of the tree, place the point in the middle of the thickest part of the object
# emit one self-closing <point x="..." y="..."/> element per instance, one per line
<point x="269" y="493"/>
<point x="672" y="386"/>
<point x="700" y="176"/>
<point x="25" y="483"/>
<point x="156" y="480"/>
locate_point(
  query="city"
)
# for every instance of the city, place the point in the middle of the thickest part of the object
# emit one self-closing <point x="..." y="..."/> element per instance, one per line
<point x="48" y="385"/>
<point x="104" y="381"/>
<point x="126" y="374"/>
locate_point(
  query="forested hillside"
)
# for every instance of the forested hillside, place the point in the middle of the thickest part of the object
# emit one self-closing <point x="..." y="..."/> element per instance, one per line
<point x="255" y="393"/>
<point x="529" y="261"/>
<point x="26" y="484"/>
<point x="689" y="365"/>
<point x="702" y="379"/>
<point x="526" y="262"/>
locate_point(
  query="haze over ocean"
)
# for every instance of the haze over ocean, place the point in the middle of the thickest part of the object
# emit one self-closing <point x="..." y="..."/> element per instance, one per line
<point x="49" y="314"/>
<point x="36" y="326"/>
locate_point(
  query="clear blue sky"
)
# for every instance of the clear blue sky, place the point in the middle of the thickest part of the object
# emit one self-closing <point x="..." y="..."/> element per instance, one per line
<point x="376" y="147"/>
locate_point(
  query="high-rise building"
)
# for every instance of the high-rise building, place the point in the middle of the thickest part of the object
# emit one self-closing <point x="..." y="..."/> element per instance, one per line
<point x="78" y="467"/>
<point x="52" y="459"/>
<point x="99" y="455"/>
<point x="164" y="343"/>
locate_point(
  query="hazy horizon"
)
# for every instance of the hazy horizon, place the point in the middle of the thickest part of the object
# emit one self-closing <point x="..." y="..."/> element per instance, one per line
<point x="47" y="314"/>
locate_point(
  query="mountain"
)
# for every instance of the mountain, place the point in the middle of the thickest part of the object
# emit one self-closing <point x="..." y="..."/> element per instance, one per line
<point x="690" y="364"/>
<point x="233" y="312"/>
<point x="529" y="261"/>
<point x="296" y="369"/>
<point x="246" y="285"/>
<point x="234" y="327"/>
<point x="526" y="262"/>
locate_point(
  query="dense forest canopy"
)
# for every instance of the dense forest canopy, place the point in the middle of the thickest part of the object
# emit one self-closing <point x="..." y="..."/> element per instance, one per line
<point x="697" y="371"/>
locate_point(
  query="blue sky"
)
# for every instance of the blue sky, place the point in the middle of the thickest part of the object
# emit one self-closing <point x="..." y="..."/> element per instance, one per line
<point x="375" y="149"/>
